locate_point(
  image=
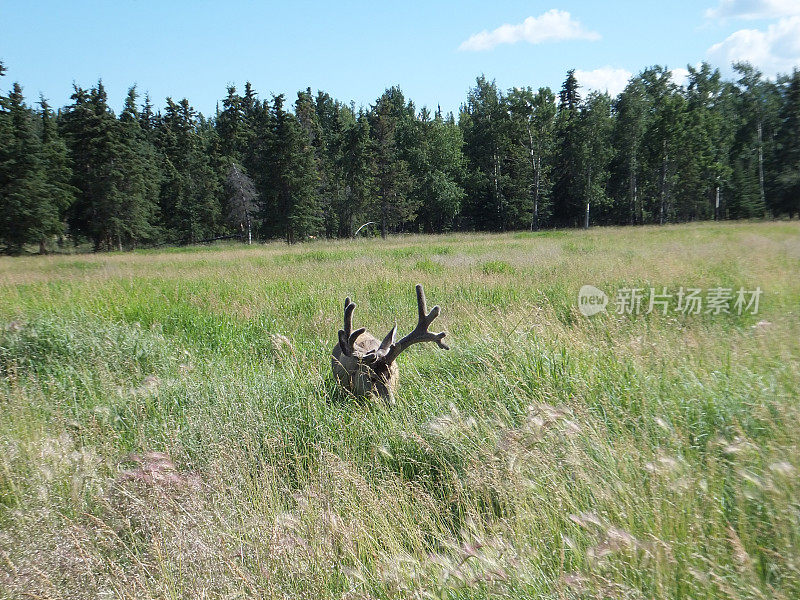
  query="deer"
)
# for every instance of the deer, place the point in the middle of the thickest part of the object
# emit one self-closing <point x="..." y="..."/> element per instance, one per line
<point x="367" y="367"/>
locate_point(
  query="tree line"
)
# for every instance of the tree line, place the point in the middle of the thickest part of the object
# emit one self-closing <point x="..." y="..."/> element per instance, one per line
<point x="658" y="152"/>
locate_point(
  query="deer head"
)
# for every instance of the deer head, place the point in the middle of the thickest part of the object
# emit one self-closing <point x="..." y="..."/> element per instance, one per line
<point x="366" y="366"/>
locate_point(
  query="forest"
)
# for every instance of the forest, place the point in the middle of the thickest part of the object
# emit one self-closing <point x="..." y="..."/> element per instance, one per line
<point x="525" y="158"/>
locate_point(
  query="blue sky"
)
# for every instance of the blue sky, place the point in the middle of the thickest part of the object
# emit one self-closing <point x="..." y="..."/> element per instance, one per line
<point x="354" y="50"/>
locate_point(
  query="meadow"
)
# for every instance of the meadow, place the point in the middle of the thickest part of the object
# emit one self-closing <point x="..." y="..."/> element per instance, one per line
<point x="169" y="425"/>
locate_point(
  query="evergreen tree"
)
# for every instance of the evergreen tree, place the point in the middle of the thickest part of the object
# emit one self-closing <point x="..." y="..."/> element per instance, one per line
<point x="388" y="123"/>
<point x="709" y="136"/>
<point x="436" y="164"/>
<point x="249" y="104"/>
<point x="99" y="169"/>
<point x="632" y="112"/>
<point x="485" y="126"/>
<point x="757" y="104"/>
<point x="595" y="127"/>
<point x="661" y="144"/>
<point x="292" y="209"/>
<point x="148" y="120"/>
<point x="257" y="151"/>
<point x="31" y="203"/>
<point x="57" y="167"/>
<point x="230" y="125"/>
<point x="517" y="166"/>
<point x="356" y="170"/>
<point x="6" y="139"/>
<point x="327" y="113"/>
<point x="305" y="110"/>
<point x="139" y="189"/>
<point x="191" y="193"/>
<point x="568" y="188"/>
<point x="788" y="150"/>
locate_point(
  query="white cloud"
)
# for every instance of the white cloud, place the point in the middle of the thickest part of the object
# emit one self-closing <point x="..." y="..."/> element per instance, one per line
<point x="776" y="50"/>
<point x="680" y="76"/>
<point x="604" y="79"/>
<point x="754" y="9"/>
<point x="552" y="26"/>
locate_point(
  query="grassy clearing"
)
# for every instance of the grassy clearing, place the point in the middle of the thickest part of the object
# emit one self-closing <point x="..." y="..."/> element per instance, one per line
<point x="159" y="439"/>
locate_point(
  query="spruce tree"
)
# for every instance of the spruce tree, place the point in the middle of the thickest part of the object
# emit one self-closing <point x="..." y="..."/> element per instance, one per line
<point x="568" y="187"/>
<point x="632" y="119"/>
<point x="57" y="166"/>
<point x="257" y="159"/>
<point x="327" y="113"/>
<point x="148" y="120"/>
<point x="291" y="208"/>
<point x="394" y="205"/>
<point x="485" y="126"/>
<point x="93" y="137"/>
<point x="7" y="158"/>
<point x="752" y="149"/>
<point x="354" y="164"/>
<point x="191" y="193"/>
<point x="437" y="164"/>
<point x="662" y="144"/>
<point x="32" y="200"/>
<point x="788" y="150"/>
<point x="305" y="111"/>
<point x="138" y="210"/>
<point x="230" y="126"/>
<point x="595" y="127"/>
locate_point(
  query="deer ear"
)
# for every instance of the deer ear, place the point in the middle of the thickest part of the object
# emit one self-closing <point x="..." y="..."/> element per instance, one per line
<point x="343" y="345"/>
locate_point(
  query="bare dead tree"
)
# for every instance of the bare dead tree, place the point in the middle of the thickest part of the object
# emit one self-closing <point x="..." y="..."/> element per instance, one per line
<point x="242" y="202"/>
<point x="366" y="366"/>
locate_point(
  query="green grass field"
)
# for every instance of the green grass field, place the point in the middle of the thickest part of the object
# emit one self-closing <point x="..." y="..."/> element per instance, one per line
<point x="546" y="455"/>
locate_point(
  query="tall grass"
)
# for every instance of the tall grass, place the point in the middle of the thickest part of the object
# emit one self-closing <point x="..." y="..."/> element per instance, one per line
<point x="169" y="426"/>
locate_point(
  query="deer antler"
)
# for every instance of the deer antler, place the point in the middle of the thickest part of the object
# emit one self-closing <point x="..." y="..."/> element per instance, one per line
<point x="347" y="336"/>
<point x="389" y="350"/>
